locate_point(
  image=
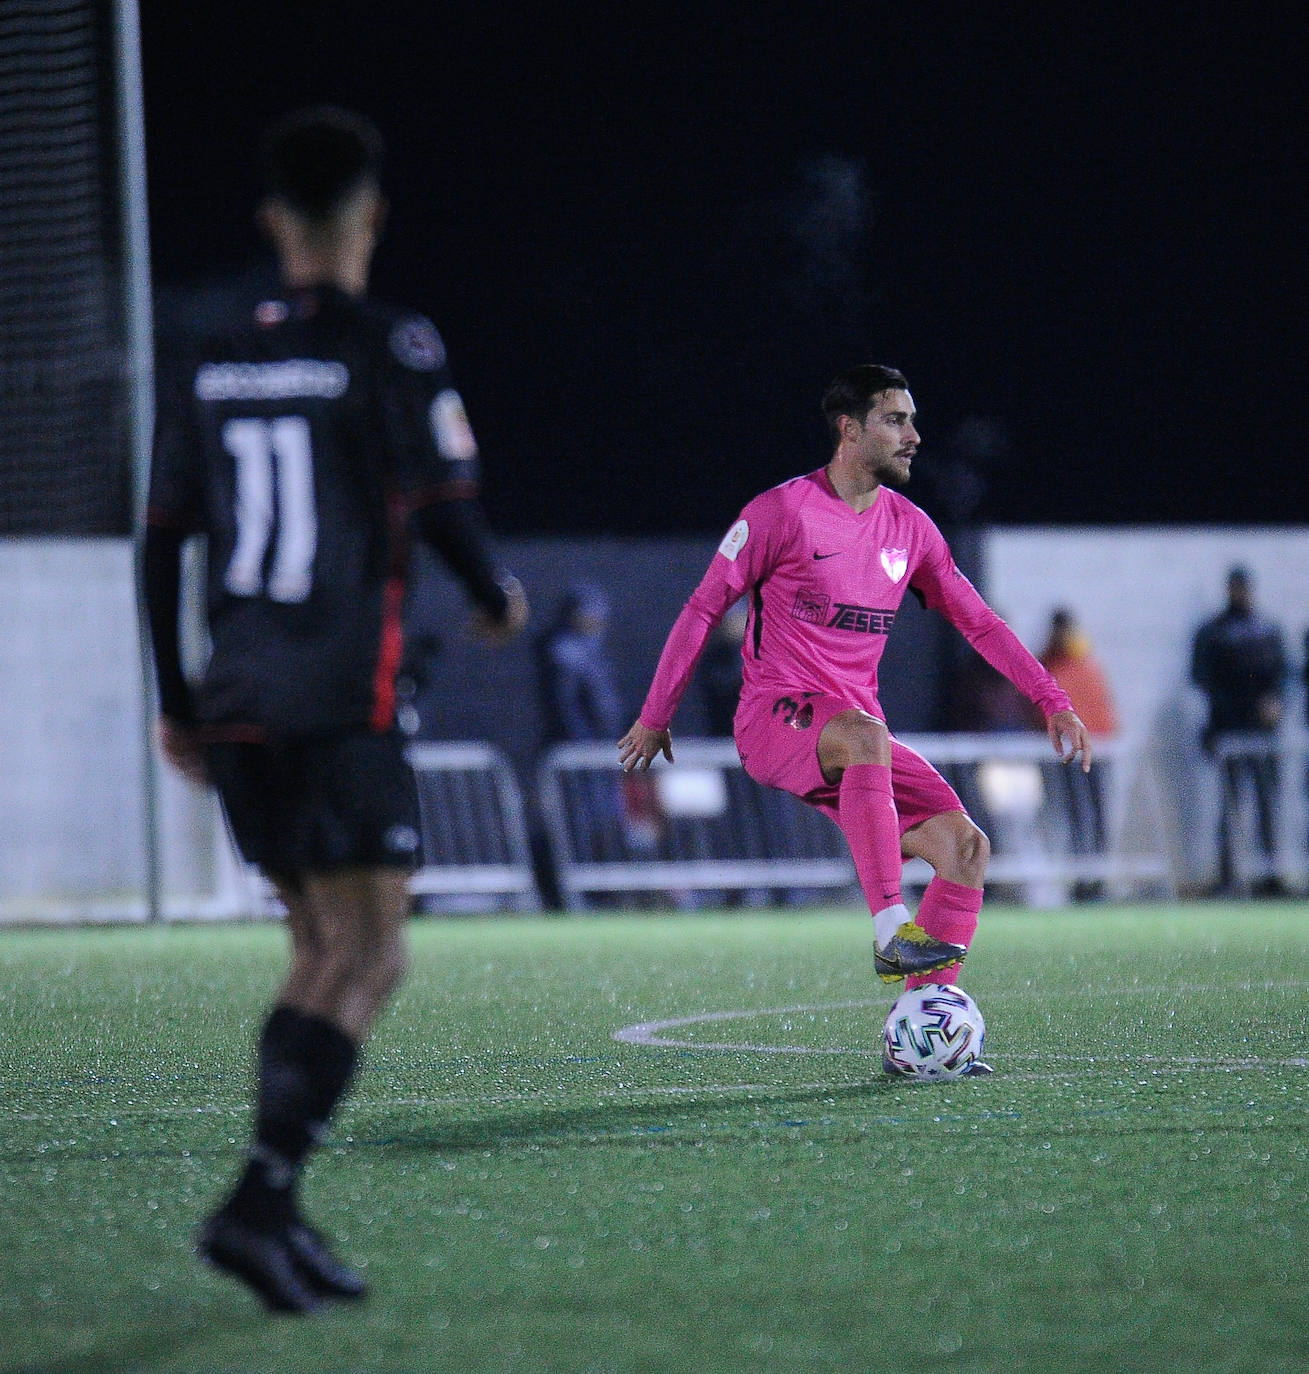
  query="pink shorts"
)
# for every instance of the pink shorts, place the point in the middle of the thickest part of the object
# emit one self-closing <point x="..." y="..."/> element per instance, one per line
<point x="777" y="738"/>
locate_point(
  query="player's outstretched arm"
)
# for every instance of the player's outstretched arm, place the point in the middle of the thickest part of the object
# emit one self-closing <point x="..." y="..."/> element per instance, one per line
<point x="640" y="746"/>
<point x="161" y="583"/>
<point x="456" y="529"/>
<point x="1070" y="738"/>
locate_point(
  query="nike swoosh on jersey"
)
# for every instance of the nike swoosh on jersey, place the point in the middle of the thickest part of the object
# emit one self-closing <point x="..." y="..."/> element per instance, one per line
<point x="829" y="555"/>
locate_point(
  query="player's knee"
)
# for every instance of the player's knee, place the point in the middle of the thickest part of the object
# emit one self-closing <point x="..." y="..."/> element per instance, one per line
<point x="851" y="739"/>
<point x="972" y="854"/>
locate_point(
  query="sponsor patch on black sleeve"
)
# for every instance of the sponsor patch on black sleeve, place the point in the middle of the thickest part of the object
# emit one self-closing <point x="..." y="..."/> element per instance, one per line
<point x="450" y="428"/>
<point x="415" y="342"/>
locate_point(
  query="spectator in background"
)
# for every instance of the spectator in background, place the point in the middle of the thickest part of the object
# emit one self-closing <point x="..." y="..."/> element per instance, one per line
<point x="578" y="697"/>
<point x="575" y="676"/>
<point x="1238" y="660"/>
<point x="1067" y="657"/>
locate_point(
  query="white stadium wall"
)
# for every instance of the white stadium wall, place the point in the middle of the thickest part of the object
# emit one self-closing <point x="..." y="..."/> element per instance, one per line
<point x="1140" y="593"/>
<point x="72" y="776"/>
<point x="72" y="816"/>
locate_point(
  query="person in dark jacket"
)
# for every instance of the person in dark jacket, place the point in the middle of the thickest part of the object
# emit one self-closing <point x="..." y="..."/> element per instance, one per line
<point x="1238" y="659"/>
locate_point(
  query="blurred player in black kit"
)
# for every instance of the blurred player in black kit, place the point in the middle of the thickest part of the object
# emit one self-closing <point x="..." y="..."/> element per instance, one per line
<point x="307" y="444"/>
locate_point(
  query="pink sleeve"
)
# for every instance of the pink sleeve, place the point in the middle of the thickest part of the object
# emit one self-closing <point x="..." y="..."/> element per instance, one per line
<point x="741" y="560"/>
<point x="946" y="589"/>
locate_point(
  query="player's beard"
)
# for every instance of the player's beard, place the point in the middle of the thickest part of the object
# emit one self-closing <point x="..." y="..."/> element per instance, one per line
<point x="895" y="472"/>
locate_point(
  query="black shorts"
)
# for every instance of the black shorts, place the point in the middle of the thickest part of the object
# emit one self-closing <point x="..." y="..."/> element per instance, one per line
<point x="322" y="802"/>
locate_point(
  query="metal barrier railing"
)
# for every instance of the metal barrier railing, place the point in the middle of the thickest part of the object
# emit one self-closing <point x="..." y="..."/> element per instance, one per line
<point x="702" y="824"/>
<point x="1054" y="829"/>
<point x="475" y="853"/>
<point x="473" y="828"/>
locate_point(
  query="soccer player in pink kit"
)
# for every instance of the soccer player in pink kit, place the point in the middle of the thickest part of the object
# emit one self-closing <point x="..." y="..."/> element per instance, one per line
<point x="826" y="559"/>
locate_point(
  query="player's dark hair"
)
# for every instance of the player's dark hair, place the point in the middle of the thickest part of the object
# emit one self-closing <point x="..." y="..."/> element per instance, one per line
<point x="316" y="159"/>
<point x="853" y="392"/>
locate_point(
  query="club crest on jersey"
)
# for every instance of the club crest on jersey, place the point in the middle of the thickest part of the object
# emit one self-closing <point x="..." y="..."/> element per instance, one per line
<point x="734" y="540"/>
<point x="417" y="344"/>
<point x="895" y="562"/>
<point x="811" y="607"/>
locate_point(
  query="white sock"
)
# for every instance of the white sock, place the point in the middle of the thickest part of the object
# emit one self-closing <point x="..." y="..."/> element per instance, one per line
<point x="887" y="922"/>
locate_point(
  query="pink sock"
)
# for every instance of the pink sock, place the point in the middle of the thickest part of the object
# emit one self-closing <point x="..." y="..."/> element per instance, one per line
<point x="949" y="911"/>
<point x="868" y="817"/>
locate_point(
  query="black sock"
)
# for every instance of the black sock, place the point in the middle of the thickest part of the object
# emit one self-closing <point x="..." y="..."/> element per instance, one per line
<point x="305" y="1066"/>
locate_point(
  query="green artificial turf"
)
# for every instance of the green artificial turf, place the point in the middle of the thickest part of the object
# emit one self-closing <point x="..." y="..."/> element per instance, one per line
<point x="1129" y="1192"/>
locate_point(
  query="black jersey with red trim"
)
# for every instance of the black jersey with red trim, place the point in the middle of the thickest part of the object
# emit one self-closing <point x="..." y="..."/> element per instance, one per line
<point x="301" y="443"/>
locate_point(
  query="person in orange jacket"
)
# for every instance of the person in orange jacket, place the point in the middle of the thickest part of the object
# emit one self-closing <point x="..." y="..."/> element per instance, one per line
<point x="1067" y="657"/>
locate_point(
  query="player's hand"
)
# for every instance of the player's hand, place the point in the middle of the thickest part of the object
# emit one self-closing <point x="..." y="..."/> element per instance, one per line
<point x="182" y="748"/>
<point x="1070" y="738"/>
<point x="640" y="746"/>
<point x="488" y="630"/>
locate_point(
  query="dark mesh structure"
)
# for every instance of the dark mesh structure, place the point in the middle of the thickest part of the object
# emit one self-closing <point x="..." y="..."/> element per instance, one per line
<point x="65" y="457"/>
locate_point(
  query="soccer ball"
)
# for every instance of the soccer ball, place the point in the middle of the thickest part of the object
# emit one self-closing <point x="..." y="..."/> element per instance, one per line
<point x="933" y="1032"/>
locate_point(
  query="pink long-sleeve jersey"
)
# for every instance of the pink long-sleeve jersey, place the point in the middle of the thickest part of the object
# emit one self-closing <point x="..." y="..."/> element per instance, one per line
<point x="825" y="583"/>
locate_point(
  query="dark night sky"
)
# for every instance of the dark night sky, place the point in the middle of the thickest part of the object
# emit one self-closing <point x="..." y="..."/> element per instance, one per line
<point x="649" y="243"/>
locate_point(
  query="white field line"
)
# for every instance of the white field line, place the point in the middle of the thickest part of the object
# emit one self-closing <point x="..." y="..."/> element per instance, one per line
<point x="650" y="1033"/>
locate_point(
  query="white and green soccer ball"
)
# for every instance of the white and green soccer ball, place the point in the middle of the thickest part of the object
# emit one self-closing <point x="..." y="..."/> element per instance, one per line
<point x="933" y="1032"/>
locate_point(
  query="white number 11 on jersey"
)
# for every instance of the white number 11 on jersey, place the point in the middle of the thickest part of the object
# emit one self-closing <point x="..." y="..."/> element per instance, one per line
<point x="255" y="444"/>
